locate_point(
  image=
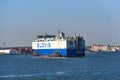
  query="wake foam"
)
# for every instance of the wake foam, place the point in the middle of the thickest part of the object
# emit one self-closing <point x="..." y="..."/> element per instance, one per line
<point x="60" y="73"/>
<point x="12" y="76"/>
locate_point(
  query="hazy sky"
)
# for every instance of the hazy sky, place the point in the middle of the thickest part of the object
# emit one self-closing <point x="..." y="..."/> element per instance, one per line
<point x="98" y="21"/>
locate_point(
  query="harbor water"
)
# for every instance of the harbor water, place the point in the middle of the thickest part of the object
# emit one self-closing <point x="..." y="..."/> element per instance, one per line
<point x="94" y="66"/>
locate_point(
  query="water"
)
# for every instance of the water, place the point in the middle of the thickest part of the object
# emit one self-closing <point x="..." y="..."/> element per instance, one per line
<point x="97" y="66"/>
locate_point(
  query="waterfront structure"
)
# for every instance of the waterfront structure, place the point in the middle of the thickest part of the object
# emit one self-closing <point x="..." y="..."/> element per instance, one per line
<point x="8" y="51"/>
<point x="20" y="50"/>
<point x="59" y="45"/>
<point x="104" y="48"/>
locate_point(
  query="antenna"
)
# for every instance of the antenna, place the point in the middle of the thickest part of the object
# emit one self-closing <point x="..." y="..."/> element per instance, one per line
<point x="58" y="31"/>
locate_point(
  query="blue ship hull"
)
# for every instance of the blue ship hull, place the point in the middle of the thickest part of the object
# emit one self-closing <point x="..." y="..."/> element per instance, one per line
<point x="62" y="52"/>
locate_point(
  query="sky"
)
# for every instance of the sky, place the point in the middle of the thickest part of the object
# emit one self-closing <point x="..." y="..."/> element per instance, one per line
<point x="98" y="21"/>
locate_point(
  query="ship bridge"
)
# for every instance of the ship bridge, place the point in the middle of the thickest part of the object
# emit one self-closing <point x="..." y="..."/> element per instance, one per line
<point x="48" y="37"/>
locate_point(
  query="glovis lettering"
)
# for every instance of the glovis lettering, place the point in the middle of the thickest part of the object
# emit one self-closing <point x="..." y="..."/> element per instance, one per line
<point x="43" y="45"/>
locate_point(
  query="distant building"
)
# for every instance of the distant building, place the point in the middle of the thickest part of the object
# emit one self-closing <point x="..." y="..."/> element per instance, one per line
<point x="105" y="48"/>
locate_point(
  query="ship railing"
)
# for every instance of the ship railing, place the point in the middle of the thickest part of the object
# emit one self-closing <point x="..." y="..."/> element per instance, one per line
<point x="45" y="40"/>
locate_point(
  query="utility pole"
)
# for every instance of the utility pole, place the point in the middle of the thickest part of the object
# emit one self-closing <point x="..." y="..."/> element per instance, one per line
<point x="4" y="44"/>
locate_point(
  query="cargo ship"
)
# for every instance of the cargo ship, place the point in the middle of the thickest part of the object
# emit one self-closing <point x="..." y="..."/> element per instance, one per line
<point x="59" y="45"/>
